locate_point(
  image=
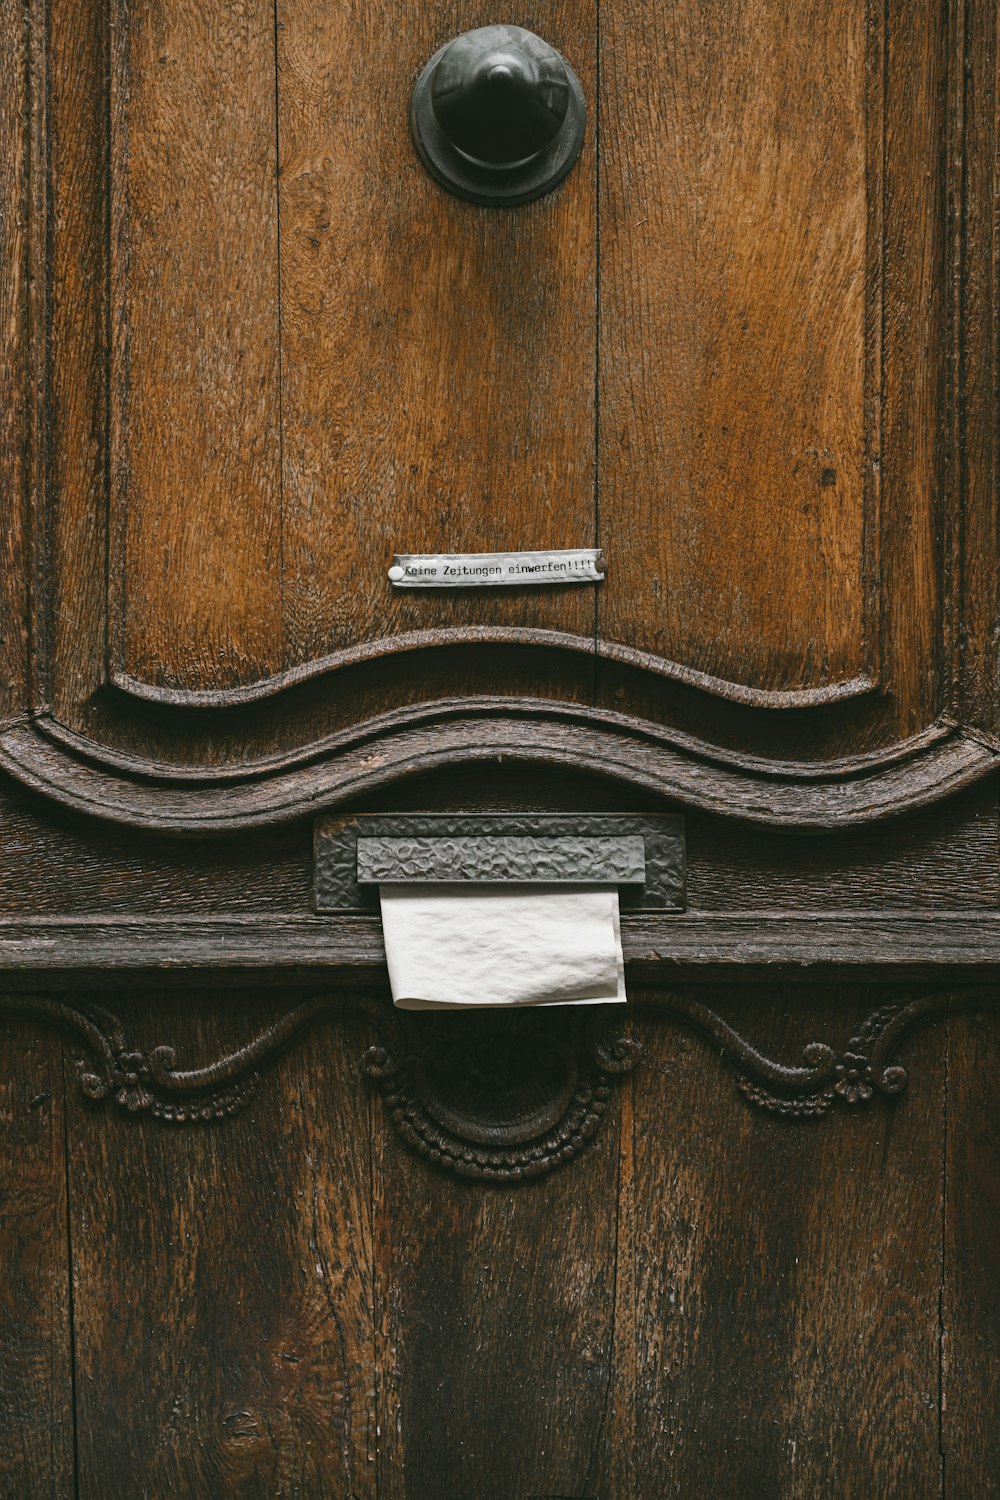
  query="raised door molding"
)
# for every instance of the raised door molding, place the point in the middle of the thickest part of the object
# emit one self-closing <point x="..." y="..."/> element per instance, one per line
<point x="910" y="719"/>
<point x="88" y="778"/>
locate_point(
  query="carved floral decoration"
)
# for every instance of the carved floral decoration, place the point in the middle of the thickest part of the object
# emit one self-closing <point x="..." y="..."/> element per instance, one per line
<point x="497" y="1097"/>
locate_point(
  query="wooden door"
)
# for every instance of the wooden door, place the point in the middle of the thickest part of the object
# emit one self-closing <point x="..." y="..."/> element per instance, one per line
<point x="262" y="1235"/>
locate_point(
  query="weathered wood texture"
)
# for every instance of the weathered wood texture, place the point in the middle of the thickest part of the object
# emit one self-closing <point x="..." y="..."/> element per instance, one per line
<point x="708" y="1300"/>
<point x="72" y="532"/>
<point x="347" y="768"/>
<point x="974" y="550"/>
<point x="943" y="857"/>
<point x="970" y="1306"/>
<point x="495" y="1322"/>
<point x="317" y="356"/>
<point x="223" y="1280"/>
<point x="36" y="1375"/>
<point x="300" y="1302"/>
<point x="250" y="349"/>
<point x="915" y="355"/>
<point x="195" y="466"/>
<point x="19" y="113"/>
<point x="399" y="324"/>
<point x="735" y="219"/>
<point x="437" y="358"/>
<point x="784" y="1304"/>
<point x="299" y="950"/>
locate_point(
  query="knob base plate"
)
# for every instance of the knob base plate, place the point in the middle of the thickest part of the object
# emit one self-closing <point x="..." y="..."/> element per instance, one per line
<point x="480" y="182"/>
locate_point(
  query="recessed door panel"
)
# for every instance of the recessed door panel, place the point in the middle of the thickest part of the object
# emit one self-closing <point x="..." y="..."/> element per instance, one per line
<point x="321" y="358"/>
<point x="268" y="350"/>
<point x="740" y="247"/>
<point x="194" y="387"/>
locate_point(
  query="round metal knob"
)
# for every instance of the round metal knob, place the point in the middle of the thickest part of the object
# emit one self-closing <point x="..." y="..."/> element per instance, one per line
<point x="498" y="116"/>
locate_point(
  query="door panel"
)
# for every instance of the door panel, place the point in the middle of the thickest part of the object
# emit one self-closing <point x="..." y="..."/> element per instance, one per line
<point x="239" y="1263"/>
<point x="195" y="441"/>
<point x="711" y="1294"/>
<point x="970" y="1314"/>
<point x="36" y="1350"/>
<point x="786" y="1298"/>
<point x="437" y="358"/>
<point x="15" y="460"/>
<point x="740" y="323"/>
<point x="291" y="353"/>
<point x="496" y="1333"/>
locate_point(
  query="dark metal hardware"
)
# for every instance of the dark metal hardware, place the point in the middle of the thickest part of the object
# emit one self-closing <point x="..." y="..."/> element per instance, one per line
<point x="498" y="116"/>
<point x="642" y="854"/>
<point x="500" y="858"/>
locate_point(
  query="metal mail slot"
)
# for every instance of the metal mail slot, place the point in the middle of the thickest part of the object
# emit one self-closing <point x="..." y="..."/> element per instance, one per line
<point x="496" y="858"/>
<point x="641" y="853"/>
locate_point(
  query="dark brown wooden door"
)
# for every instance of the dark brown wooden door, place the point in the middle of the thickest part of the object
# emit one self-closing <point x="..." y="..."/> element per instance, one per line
<point x="261" y="1235"/>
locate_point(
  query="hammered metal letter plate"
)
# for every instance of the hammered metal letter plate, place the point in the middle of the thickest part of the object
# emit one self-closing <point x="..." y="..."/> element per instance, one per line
<point x="642" y="854"/>
<point x="501" y="859"/>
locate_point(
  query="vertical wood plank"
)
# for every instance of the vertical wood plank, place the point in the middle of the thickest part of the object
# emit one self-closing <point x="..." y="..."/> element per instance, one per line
<point x="971" y="1292"/>
<point x="195" y="430"/>
<point x="979" y="333"/>
<point x="15" y="235"/>
<point x="734" y="229"/>
<point x="915" y="353"/>
<point x="437" y="357"/>
<point x="623" y="1464"/>
<point x="495" y="1313"/>
<point x="788" y="1275"/>
<point x="222" y="1277"/>
<point x="36" y="1377"/>
<point x="76" y="502"/>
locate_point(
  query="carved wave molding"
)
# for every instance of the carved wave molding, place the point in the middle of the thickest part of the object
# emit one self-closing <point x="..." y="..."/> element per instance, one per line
<point x="85" y="777"/>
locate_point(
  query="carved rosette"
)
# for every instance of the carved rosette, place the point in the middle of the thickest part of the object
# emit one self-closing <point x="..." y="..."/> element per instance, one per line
<point x="501" y="1097"/>
<point x="851" y="1076"/>
<point x="141" y="1083"/>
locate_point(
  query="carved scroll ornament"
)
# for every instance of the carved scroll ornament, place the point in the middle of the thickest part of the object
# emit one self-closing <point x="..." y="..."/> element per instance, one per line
<point x="497" y="1097"/>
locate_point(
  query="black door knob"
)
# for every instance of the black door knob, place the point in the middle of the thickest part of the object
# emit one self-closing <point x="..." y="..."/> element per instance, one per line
<point x="498" y="116"/>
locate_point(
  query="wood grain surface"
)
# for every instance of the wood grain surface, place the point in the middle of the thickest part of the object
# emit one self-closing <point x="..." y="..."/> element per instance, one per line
<point x="36" y="1362"/>
<point x="16" y="307"/>
<point x="492" y="735"/>
<point x="786" y="1279"/>
<point x="250" y="349"/>
<point x="76" y="518"/>
<point x="791" y="331"/>
<point x="237" y="1262"/>
<point x="734" y="219"/>
<point x="196" y="482"/>
<point x="495" y="1325"/>
<point x="437" y="358"/>
<point x="708" y="1300"/>
<point x="65" y="952"/>
<point x="973" y="133"/>
<point x="970" y="1311"/>
<point x="915" y="353"/>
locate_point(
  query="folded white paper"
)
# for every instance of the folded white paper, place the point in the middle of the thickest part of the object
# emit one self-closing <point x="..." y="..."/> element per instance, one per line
<point x="482" y="945"/>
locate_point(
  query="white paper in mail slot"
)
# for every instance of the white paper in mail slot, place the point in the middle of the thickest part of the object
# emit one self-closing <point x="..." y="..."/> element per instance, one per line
<point x="502" y="945"/>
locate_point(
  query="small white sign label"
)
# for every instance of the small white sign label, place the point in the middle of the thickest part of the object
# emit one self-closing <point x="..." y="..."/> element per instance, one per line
<point x="463" y="570"/>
